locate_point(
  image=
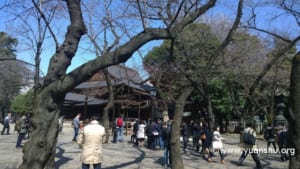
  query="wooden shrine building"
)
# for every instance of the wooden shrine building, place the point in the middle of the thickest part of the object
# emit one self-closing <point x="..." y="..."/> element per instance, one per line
<point x="131" y="97"/>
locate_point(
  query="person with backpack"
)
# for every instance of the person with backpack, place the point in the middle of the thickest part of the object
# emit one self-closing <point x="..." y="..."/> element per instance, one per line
<point x="250" y="146"/>
<point x="120" y="127"/>
<point x="269" y="135"/>
<point x="6" y="126"/>
<point x="22" y="132"/>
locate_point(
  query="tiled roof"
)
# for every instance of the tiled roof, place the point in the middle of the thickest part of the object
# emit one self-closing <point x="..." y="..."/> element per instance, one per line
<point x="78" y="99"/>
<point x="121" y="72"/>
<point x="100" y="84"/>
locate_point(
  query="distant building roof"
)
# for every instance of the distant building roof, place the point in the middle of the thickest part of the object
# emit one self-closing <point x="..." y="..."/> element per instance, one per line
<point x="122" y="72"/>
<point x="99" y="84"/>
<point x="73" y="99"/>
<point x="120" y="75"/>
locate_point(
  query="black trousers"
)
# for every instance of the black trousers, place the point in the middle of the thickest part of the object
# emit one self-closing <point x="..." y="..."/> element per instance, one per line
<point x="5" y="126"/>
<point x="269" y="143"/>
<point x="253" y="155"/>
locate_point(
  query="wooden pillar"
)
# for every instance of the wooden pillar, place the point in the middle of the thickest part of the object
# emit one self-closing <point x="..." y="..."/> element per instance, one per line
<point x="139" y="112"/>
<point x="126" y="124"/>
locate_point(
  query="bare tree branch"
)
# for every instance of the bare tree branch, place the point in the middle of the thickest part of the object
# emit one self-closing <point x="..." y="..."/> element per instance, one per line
<point x="47" y="24"/>
<point x="268" y="32"/>
<point x="176" y="15"/>
<point x="141" y="14"/>
<point x="228" y="37"/>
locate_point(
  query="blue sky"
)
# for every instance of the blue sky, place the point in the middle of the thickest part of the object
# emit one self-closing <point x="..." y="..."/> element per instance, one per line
<point x="226" y="7"/>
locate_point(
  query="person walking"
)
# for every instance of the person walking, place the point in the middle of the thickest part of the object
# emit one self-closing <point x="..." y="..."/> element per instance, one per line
<point x="76" y="126"/>
<point x="218" y="144"/>
<point x="22" y="131"/>
<point x="6" y="125"/>
<point x="250" y="148"/>
<point x="283" y="143"/>
<point x="185" y="135"/>
<point x="161" y="142"/>
<point x="90" y="139"/>
<point x="166" y="136"/>
<point x="196" y="135"/>
<point x="141" y="133"/>
<point x="134" y="138"/>
<point x="269" y="135"/>
<point x="207" y="143"/>
<point x="120" y="123"/>
<point x="155" y="135"/>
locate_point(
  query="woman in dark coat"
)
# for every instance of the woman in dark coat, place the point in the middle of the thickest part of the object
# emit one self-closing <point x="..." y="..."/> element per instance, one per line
<point x="207" y="143"/>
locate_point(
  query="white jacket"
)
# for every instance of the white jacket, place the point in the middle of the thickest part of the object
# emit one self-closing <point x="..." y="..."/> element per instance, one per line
<point x="91" y="139"/>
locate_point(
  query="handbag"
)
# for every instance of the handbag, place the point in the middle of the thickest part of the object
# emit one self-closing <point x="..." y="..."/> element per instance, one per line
<point x="217" y="145"/>
<point x="249" y="138"/>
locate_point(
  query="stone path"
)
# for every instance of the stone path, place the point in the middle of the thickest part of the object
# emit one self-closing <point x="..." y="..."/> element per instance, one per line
<point x="127" y="156"/>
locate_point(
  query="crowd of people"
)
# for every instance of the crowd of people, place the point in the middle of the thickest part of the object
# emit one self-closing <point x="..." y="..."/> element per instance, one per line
<point x="156" y="135"/>
<point x="204" y="140"/>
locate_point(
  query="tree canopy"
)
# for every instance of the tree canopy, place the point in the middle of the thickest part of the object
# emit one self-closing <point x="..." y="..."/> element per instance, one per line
<point x="14" y="75"/>
<point x="22" y="103"/>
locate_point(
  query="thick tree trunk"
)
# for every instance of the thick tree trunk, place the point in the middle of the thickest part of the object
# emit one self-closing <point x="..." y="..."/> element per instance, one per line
<point x="293" y="116"/>
<point x="39" y="151"/>
<point x="44" y="133"/>
<point x="175" y="150"/>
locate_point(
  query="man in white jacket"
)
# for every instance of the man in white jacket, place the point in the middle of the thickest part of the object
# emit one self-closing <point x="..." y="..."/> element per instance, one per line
<point x="91" y="138"/>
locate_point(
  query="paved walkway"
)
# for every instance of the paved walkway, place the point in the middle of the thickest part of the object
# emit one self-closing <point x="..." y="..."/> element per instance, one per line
<point x="125" y="155"/>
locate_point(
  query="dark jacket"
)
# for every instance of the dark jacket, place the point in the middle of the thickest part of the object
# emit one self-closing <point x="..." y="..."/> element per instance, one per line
<point x="283" y="139"/>
<point x="208" y="141"/>
<point x="166" y="135"/>
<point x="185" y="130"/>
<point x="269" y="134"/>
<point x="197" y="129"/>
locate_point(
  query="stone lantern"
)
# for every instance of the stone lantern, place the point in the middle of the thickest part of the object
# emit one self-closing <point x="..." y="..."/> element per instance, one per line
<point x="279" y="119"/>
<point x="154" y="111"/>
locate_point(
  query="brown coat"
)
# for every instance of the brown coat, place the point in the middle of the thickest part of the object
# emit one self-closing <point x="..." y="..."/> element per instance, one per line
<point x="90" y="139"/>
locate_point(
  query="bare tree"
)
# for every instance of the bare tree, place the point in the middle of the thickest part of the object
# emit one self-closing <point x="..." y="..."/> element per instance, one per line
<point x="50" y="95"/>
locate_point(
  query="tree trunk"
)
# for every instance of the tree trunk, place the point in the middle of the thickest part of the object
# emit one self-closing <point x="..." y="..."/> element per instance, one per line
<point x="39" y="151"/>
<point x="211" y="115"/>
<point x="175" y="151"/>
<point x="108" y="106"/>
<point x="293" y="116"/>
<point x="44" y="134"/>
